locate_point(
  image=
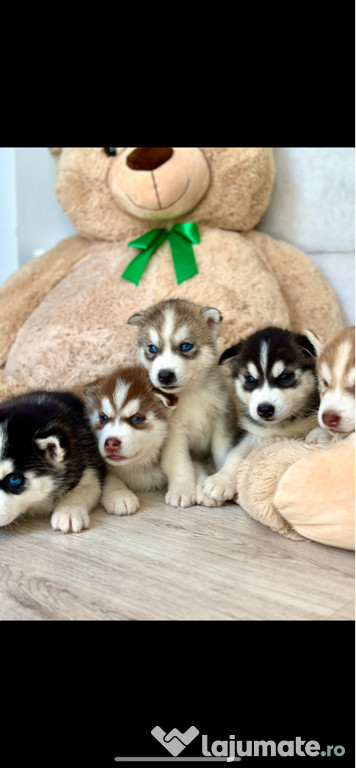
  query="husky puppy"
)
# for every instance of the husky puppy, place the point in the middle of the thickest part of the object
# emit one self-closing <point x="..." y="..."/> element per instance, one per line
<point x="130" y="418"/>
<point x="275" y="381"/>
<point x="176" y="342"/>
<point x="336" y="375"/>
<point x="49" y="461"/>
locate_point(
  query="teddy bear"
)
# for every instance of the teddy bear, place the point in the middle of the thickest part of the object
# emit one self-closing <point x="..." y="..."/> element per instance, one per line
<point x="155" y="223"/>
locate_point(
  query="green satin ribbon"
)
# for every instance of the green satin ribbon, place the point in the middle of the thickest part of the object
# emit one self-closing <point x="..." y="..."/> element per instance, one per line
<point x="180" y="239"/>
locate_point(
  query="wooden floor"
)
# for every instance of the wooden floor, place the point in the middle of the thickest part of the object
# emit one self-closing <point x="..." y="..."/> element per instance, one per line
<point x="164" y="563"/>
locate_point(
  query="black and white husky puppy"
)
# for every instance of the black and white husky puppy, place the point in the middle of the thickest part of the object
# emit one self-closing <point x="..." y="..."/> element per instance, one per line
<point x="274" y="375"/>
<point x="176" y="343"/>
<point x="49" y="461"/>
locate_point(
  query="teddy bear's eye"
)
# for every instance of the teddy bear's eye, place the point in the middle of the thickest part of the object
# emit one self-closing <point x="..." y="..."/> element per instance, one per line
<point x="110" y="151"/>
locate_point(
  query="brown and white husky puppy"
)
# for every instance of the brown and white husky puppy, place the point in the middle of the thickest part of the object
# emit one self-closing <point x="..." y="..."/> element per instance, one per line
<point x="336" y="374"/>
<point x="176" y="342"/>
<point x="130" y="418"/>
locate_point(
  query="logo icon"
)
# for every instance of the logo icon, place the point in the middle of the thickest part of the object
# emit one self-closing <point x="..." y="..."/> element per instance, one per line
<point x="175" y="741"/>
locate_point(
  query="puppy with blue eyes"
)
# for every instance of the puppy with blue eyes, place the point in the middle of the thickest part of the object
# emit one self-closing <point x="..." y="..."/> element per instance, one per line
<point x="130" y="419"/>
<point x="177" y="344"/>
<point x="49" y="461"/>
<point x="275" y="381"/>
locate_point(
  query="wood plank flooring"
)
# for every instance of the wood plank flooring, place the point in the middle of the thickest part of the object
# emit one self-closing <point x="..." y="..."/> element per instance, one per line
<point x="169" y="564"/>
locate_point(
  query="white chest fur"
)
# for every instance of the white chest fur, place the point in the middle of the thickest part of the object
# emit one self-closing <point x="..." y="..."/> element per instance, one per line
<point x="197" y="413"/>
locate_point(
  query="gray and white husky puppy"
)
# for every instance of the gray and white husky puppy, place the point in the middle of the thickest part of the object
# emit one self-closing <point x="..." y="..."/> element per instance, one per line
<point x="176" y="343"/>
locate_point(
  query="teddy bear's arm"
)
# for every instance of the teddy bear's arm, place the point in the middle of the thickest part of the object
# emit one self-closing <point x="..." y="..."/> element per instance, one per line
<point x="310" y="300"/>
<point x="316" y="494"/>
<point x="26" y="288"/>
<point x="302" y="491"/>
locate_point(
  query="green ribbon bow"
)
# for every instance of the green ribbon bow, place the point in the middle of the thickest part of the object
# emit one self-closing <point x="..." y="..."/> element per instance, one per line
<point x="180" y="239"/>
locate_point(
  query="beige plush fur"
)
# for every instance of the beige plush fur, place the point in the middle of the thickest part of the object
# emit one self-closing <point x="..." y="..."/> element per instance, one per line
<point x="64" y="315"/>
<point x="323" y="507"/>
<point x="302" y="491"/>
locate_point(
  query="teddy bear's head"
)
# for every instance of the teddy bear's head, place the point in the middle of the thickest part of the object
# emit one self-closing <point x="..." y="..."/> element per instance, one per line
<point x="108" y="192"/>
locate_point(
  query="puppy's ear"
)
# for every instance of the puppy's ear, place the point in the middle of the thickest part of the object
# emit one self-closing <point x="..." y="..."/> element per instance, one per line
<point x="90" y="390"/>
<point x="311" y="342"/>
<point x="136" y="319"/>
<point x="167" y="398"/>
<point x="51" y="448"/>
<point x="213" y="319"/>
<point x="229" y="355"/>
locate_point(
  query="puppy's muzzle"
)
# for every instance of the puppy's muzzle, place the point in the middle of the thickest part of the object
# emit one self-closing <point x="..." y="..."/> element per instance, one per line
<point x="166" y="377"/>
<point x="331" y="419"/>
<point x="112" y="445"/>
<point x="265" y="411"/>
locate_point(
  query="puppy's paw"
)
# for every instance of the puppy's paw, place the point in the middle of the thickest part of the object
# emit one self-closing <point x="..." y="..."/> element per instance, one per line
<point x="120" y="503"/>
<point x="69" y="519"/>
<point x="180" y="497"/>
<point x="203" y="499"/>
<point x="318" y="436"/>
<point x="220" y="487"/>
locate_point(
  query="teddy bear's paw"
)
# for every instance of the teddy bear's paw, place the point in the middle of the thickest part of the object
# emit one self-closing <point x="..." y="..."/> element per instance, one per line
<point x="69" y="519"/>
<point x="220" y="487"/>
<point x="180" y="497"/>
<point x="318" y="436"/>
<point x="120" y="503"/>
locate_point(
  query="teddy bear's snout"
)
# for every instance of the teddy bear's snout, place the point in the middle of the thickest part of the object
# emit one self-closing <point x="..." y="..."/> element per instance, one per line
<point x="148" y="158"/>
<point x="158" y="183"/>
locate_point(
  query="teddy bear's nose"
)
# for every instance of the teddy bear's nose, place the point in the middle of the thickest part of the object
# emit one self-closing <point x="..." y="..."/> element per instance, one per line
<point x="148" y="158"/>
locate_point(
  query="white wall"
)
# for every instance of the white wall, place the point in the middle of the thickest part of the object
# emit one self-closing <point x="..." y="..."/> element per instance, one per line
<point x="313" y="199"/>
<point x="8" y="214"/>
<point x="41" y="221"/>
<point x="313" y="207"/>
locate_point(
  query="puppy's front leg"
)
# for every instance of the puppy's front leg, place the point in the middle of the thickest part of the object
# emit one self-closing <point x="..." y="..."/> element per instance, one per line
<point x="179" y="469"/>
<point x="201" y="475"/>
<point x="222" y="486"/>
<point x="72" y="512"/>
<point x="117" y="498"/>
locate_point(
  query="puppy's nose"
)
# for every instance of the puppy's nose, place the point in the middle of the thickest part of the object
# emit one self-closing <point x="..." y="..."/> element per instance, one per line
<point x="148" y="158"/>
<point x="166" y="377"/>
<point x="331" y="419"/>
<point x="112" y="444"/>
<point x="265" y="410"/>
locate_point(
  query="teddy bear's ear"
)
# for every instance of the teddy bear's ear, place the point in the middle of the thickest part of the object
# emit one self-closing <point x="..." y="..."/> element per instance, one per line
<point x="55" y="151"/>
<point x="229" y="355"/>
<point x="136" y="319"/>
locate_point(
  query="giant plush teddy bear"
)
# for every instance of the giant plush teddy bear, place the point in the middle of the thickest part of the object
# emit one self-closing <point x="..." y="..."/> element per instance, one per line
<point x="153" y="223"/>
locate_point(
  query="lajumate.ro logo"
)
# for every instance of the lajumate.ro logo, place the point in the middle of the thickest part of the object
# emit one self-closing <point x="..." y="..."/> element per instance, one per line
<point x="234" y="749"/>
